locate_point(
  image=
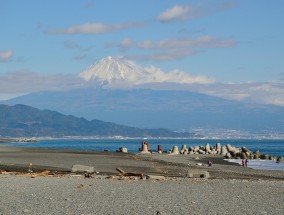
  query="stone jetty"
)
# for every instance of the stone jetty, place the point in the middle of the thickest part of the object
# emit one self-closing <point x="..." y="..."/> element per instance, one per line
<point x="228" y="151"/>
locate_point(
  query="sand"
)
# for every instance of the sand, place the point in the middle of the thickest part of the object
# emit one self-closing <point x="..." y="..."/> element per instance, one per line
<point x="231" y="189"/>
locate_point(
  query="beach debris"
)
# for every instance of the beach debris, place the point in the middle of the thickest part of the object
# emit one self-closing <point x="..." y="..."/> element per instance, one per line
<point x="88" y="175"/>
<point x="197" y="174"/>
<point x="43" y="173"/>
<point x="83" y="185"/>
<point x="80" y="186"/>
<point x="123" y="173"/>
<point x="144" y="148"/>
<point x="209" y="163"/>
<point x="160" y="213"/>
<point x="155" y="177"/>
<point x="83" y="169"/>
<point x="30" y="168"/>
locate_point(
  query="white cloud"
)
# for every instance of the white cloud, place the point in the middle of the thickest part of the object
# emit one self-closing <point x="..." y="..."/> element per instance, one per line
<point x="93" y="28"/>
<point x="22" y="82"/>
<point x="175" y="48"/>
<point x="260" y="93"/>
<point x="179" y="13"/>
<point x="171" y="54"/>
<point x="6" y="55"/>
<point x="177" y="76"/>
<point x="189" y="42"/>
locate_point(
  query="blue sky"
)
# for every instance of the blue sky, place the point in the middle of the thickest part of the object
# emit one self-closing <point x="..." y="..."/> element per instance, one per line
<point x="229" y="41"/>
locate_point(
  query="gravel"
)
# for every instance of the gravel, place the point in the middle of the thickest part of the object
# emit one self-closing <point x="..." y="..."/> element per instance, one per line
<point x="77" y="195"/>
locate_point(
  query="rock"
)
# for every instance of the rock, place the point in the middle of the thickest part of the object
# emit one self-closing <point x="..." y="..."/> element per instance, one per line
<point x="175" y="150"/>
<point x="124" y="150"/>
<point x="244" y="149"/>
<point x="224" y="150"/>
<point x="82" y="168"/>
<point x="256" y="156"/>
<point x="243" y="155"/>
<point x="196" y="148"/>
<point x="197" y="174"/>
<point x="183" y="149"/>
<point x="257" y="152"/>
<point x="228" y="155"/>
<point x="185" y="152"/>
<point x="144" y="149"/>
<point x="200" y="151"/>
<point x="265" y="157"/>
<point x="233" y="151"/>
<point x="207" y="148"/>
<point x="218" y="148"/>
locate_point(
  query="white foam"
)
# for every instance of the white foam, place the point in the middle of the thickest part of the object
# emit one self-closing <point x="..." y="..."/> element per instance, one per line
<point x="260" y="164"/>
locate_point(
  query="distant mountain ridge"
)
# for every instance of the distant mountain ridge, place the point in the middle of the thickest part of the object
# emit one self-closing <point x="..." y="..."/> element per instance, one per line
<point x="118" y="90"/>
<point x="26" y="121"/>
<point x="171" y="109"/>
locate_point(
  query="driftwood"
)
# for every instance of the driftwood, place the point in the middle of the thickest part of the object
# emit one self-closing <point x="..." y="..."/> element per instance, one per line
<point x="123" y="173"/>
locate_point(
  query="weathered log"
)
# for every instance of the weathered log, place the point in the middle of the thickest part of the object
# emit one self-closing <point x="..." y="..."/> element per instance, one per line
<point x="155" y="177"/>
<point x="123" y="173"/>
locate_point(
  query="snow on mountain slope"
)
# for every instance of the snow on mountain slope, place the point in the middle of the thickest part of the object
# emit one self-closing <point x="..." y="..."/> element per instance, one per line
<point x="111" y="69"/>
<point x="115" y="70"/>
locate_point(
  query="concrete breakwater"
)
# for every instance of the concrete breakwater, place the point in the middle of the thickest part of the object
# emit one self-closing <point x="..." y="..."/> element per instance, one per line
<point x="8" y="140"/>
<point x="228" y="151"/>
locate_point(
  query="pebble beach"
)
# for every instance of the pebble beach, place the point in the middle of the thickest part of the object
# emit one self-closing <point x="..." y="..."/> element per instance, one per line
<point x="230" y="189"/>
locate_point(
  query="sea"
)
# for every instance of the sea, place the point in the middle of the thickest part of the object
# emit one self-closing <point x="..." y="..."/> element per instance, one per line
<point x="265" y="146"/>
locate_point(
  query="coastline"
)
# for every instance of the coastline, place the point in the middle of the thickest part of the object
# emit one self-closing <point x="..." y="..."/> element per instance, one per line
<point x="18" y="159"/>
<point x="230" y="189"/>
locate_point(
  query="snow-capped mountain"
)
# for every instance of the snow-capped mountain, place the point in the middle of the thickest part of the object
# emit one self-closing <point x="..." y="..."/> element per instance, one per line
<point x="112" y="70"/>
<point x="119" y="70"/>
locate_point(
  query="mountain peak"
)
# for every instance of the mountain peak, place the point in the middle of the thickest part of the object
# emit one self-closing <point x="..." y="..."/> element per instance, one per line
<point x="119" y="71"/>
<point x="114" y="69"/>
